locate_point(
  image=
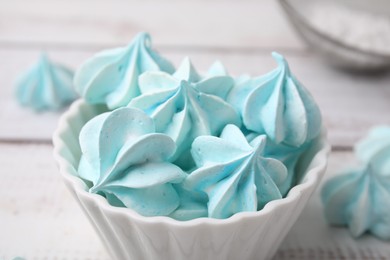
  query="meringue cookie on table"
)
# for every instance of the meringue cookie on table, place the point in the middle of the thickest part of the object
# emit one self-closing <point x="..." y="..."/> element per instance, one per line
<point x="111" y="77"/>
<point x="234" y="173"/>
<point x="184" y="106"/>
<point x="128" y="162"/>
<point x="46" y="86"/>
<point x="360" y="199"/>
<point x="375" y="144"/>
<point x="277" y="105"/>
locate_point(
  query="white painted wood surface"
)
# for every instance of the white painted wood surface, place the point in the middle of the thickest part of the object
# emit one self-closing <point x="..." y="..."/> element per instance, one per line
<point x="188" y="24"/>
<point x="38" y="217"/>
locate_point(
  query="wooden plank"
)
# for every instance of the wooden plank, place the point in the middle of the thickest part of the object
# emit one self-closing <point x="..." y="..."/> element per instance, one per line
<point x="350" y="104"/>
<point x="226" y="24"/>
<point x="40" y="219"/>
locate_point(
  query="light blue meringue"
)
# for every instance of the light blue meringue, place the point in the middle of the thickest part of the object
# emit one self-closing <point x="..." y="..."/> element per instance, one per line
<point x="288" y="155"/>
<point x="359" y="199"/>
<point x="234" y="173"/>
<point x="169" y="121"/>
<point x="217" y="81"/>
<point x="46" y="86"/>
<point x="217" y="69"/>
<point x="111" y="77"/>
<point x="126" y="160"/>
<point x="193" y="204"/>
<point x="277" y="105"/>
<point x="375" y="149"/>
<point x="184" y="106"/>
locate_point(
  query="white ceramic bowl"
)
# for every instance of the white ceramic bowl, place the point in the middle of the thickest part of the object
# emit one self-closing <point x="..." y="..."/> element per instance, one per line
<point x="128" y="235"/>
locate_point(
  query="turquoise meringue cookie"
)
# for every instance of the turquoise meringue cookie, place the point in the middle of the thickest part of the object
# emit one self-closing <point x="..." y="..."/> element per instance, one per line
<point x="277" y="105"/>
<point x="184" y="106"/>
<point x="46" y="86"/>
<point x="359" y="199"/>
<point x="129" y="163"/>
<point x="111" y="77"/>
<point x="289" y="156"/>
<point x="217" y="69"/>
<point x="217" y="82"/>
<point x="375" y="149"/>
<point x="193" y="204"/>
<point x="234" y="173"/>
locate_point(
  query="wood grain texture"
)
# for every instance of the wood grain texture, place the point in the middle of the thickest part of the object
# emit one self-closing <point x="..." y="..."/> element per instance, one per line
<point x="350" y="103"/>
<point x="39" y="218"/>
<point x="222" y="24"/>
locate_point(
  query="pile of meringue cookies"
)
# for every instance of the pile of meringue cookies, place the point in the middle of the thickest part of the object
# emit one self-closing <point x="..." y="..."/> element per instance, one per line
<point x="180" y="144"/>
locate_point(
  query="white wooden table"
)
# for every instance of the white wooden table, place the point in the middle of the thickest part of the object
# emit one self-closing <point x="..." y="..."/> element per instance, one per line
<point x="38" y="217"/>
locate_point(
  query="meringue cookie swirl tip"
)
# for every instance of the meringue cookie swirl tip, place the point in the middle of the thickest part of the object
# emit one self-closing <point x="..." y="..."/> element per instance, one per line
<point x="111" y="77"/>
<point x="128" y="162"/>
<point x="277" y="105"/>
<point x="184" y="105"/>
<point x="46" y="86"/>
<point x="217" y="69"/>
<point x="234" y="173"/>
